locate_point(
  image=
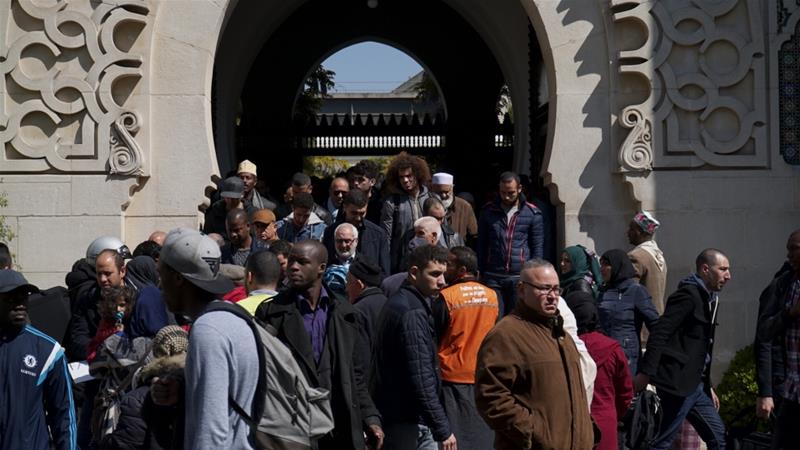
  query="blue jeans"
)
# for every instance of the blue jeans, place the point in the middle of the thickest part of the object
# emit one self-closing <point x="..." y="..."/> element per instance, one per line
<point x="408" y="436"/>
<point x="699" y="410"/>
<point x="506" y="288"/>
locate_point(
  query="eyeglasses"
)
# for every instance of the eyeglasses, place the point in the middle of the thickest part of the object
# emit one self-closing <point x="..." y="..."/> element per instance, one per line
<point x="546" y="290"/>
<point x="345" y="241"/>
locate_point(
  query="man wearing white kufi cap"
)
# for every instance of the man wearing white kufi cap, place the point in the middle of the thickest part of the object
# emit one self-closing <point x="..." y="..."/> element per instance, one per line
<point x="248" y="172"/>
<point x="460" y="216"/>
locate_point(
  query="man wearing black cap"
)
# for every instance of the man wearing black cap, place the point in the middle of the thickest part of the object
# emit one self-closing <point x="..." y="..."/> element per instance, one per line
<point x="33" y="377"/>
<point x="216" y="375"/>
<point x="364" y="291"/>
<point x="231" y="192"/>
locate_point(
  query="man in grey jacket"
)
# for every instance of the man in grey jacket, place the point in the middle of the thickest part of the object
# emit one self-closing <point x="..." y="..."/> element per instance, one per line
<point x="406" y="177"/>
<point x="215" y="374"/>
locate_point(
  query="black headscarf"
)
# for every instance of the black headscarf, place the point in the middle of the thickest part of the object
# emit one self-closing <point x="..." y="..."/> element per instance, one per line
<point x="141" y="272"/>
<point x="584" y="308"/>
<point x="621" y="266"/>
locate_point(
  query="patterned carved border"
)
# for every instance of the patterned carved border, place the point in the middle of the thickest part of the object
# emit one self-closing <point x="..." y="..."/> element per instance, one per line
<point x="70" y="98"/>
<point x="703" y="109"/>
<point x="786" y="57"/>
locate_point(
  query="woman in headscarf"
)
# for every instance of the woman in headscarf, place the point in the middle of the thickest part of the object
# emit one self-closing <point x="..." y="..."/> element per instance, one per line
<point x="613" y="388"/>
<point x="150" y="313"/>
<point x="141" y="272"/>
<point x="624" y="305"/>
<point x="579" y="271"/>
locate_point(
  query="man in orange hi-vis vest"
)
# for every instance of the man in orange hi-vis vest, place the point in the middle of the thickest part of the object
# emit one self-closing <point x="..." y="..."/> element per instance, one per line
<point x="463" y="314"/>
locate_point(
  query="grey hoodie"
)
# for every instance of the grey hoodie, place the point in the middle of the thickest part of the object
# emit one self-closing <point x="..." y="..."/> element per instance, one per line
<point x="222" y="363"/>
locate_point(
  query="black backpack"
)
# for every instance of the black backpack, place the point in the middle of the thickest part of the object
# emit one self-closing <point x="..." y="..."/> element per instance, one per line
<point x="642" y="421"/>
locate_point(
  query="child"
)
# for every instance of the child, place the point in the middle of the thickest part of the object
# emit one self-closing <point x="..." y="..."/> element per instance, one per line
<point x="114" y="356"/>
<point x="115" y="307"/>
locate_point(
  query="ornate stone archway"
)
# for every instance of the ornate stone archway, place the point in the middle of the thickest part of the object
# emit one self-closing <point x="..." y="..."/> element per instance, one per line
<point x="106" y="124"/>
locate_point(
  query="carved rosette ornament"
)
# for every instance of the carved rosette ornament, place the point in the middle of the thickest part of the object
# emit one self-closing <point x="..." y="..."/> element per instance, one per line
<point x="72" y="75"/>
<point x="636" y="154"/>
<point x="703" y="70"/>
<point x="126" y="157"/>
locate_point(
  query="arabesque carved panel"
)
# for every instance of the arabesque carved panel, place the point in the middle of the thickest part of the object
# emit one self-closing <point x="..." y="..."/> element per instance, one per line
<point x="73" y="86"/>
<point x="705" y="63"/>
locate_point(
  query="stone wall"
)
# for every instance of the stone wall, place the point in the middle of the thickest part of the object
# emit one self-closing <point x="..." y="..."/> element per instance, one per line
<point x="105" y="121"/>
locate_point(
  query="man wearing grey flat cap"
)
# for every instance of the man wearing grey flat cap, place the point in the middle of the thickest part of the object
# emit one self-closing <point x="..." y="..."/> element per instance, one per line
<point x="216" y="376"/>
<point x="33" y="377"/>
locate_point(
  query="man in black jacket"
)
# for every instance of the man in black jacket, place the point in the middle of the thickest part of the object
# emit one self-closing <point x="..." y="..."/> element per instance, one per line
<point x="408" y="391"/>
<point x="776" y="346"/>
<point x="323" y="332"/>
<point x="302" y="183"/>
<point x="373" y="242"/>
<point x="678" y="356"/>
<point x="364" y="292"/>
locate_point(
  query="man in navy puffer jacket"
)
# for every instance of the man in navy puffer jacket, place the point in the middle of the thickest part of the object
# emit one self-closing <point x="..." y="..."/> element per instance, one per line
<point x="510" y="232"/>
<point x="408" y="384"/>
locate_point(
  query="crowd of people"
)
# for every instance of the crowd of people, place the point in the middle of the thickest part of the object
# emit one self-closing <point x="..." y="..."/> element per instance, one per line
<point x="395" y="314"/>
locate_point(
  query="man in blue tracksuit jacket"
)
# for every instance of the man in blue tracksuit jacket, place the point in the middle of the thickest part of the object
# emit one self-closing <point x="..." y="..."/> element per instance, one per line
<point x="35" y="392"/>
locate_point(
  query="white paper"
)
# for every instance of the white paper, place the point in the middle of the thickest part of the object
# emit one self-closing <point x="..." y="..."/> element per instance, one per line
<point x="79" y="371"/>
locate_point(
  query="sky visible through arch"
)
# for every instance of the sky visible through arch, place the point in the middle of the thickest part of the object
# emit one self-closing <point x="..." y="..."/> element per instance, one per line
<point x="370" y="67"/>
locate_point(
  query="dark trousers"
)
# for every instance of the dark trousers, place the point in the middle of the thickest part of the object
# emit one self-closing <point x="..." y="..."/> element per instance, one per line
<point x="470" y="430"/>
<point x="698" y="409"/>
<point x="506" y="288"/>
<point x="786" y="431"/>
<point x="91" y="389"/>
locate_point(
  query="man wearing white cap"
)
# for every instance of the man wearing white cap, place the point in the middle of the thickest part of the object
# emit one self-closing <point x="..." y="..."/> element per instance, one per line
<point x="460" y="216"/>
<point x="248" y="172"/>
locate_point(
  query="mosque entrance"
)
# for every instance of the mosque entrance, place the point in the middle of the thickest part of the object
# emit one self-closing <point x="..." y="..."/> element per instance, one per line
<point x="268" y="49"/>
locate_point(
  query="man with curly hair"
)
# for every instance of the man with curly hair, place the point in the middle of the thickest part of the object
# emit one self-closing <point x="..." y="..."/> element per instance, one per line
<point x="407" y="177"/>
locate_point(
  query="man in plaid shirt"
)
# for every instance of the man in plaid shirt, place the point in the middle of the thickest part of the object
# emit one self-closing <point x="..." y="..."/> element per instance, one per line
<point x="777" y="346"/>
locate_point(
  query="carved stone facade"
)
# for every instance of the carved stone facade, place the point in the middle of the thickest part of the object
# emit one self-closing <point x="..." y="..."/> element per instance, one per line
<point x="788" y="61"/>
<point x="671" y="106"/>
<point x="705" y="65"/>
<point x="73" y="87"/>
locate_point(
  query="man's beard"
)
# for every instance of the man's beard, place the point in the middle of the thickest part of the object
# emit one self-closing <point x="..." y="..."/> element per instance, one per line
<point x="346" y="255"/>
<point x="447" y="203"/>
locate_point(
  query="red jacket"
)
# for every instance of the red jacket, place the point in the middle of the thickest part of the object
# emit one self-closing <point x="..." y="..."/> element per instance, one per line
<point x="613" y="388"/>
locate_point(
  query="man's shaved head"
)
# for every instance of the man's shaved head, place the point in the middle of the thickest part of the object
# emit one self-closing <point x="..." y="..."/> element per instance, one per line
<point x="313" y="249"/>
<point x="235" y="215"/>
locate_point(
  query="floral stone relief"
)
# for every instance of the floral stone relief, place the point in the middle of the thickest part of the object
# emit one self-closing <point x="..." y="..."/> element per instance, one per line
<point x="73" y="85"/>
<point x="705" y="64"/>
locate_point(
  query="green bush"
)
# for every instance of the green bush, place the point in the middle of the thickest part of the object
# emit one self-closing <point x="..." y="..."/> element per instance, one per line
<point x="738" y="391"/>
<point x="6" y="234"/>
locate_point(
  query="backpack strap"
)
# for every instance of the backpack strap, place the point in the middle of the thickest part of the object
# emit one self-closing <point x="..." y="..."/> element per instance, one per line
<point x="261" y="387"/>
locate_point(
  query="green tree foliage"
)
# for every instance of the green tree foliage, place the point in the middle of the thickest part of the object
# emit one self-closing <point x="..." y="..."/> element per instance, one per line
<point x="504" y="105"/>
<point x="428" y="92"/>
<point x="317" y="85"/>
<point x="6" y="234"/>
<point x="738" y="391"/>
